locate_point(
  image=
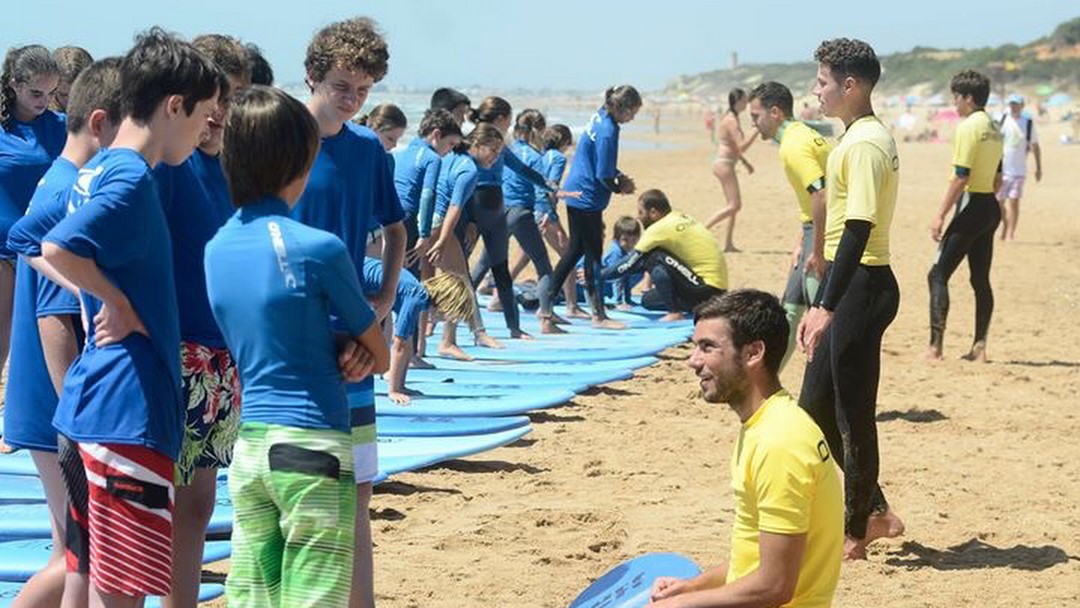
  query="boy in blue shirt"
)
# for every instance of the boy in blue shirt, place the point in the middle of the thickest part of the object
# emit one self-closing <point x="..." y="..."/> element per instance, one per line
<point x="350" y="188"/>
<point x="120" y="415"/>
<point x="273" y="284"/>
<point x="625" y="236"/>
<point x="48" y="332"/>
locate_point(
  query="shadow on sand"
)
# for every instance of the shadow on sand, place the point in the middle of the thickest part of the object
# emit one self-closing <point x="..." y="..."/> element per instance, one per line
<point x="977" y="555"/>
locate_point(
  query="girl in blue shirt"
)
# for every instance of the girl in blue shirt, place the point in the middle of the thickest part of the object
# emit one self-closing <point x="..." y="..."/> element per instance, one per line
<point x="595" y="175"/>
<point x="272" y="283"/>
<point x="31" y="137"/>
<point x="457" y="185"/>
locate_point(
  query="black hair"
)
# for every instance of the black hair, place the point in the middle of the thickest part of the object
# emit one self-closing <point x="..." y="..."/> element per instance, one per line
<point x="441" y="120"/>
<point x="848" y="57"/>
<point x="160" y="65"/>
<point x="447" y="99"/>
<point x="753" y="315"/>
<point x="622" y="98"/>
<point x="490" y="110"/>
<point x="626" y="226"/>
<point x="975" y="84"/>
<point x="733" y="97"/>
<point x="774" y="95"/>
<point x="261" y="72"/>
<point x="556" y="136"/>
<point x="282" y="130"/>
<point x="21" y="65"/>
<point x="655" y="200"/>
<point x="96" y="88"/>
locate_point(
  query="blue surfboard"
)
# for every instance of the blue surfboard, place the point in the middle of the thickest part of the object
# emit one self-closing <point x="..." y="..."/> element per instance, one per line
<point x="207" y="592"/>
<point x="510" y="405"/>
<point x="443" y="426"/>
<point x="546" y="367"/>
<point x="629" y="584"/>
<point x="21" y="559"/>
<point x="456" y="389"/>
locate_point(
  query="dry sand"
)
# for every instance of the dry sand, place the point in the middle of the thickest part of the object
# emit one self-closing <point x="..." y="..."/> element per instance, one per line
<point x="980" y="460"/>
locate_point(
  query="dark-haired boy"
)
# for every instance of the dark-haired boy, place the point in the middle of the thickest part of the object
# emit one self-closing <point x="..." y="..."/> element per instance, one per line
<point x="453" y="101"/>
<point x="48" y="332"/>
<point x="120" y="417"/>
<point x="841" y="334"/>
<point x="788" y="531"/>
<point x="350" y="189"/>
<point x="977" y="154"/>
<point x="804" y="154"/>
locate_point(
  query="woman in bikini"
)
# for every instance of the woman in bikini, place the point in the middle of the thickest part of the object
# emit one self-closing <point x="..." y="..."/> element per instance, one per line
<point x="729" y="152"/>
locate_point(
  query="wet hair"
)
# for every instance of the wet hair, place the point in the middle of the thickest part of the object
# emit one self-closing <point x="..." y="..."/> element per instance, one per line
<point x="556" y="136"/>
<point x="490" y="110"/>
<point x="71" y="60"/>
<point x="96" y="88"/>
<point x="734" y="96"/>
<point x="622" y="98"/>
<point x="227" y="54"/>
<point x="774" y="95"/>
<point x="441" y="120"/>
<point x="160" y="65"/>
<point x="21" y="65"/>
<point x="848" y="57"/>
<point x="530" y="125"/>
<point x="975" y="84"/>
<point x="281" y="128"/>
<point x="261" y="72"/>
<point x="626" y="226"/>
<point x="485" y="134"/>
<point x="753" y="315"/>
<point x="447" y="99"/>
<point x="355" y="45"/>
<point x="655" y="200"/>
<point x="384" y="117"/>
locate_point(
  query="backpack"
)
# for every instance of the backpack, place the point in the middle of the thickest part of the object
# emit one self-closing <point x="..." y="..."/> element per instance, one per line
<point x="1030" y="123"/>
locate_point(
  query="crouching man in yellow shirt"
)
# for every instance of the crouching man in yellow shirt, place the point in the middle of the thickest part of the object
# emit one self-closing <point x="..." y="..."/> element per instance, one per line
<point x="788" y="532"/>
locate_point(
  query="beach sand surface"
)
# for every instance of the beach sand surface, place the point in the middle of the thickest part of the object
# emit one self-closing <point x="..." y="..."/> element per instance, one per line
<point x="981" y="461"/>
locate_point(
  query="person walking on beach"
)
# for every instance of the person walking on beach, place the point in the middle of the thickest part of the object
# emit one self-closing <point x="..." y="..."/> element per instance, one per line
<point x="977" y="154"/>
<point x="1018" y="129"/>
<point x="788" y="526"/>
<point x="733" y="144"/>
<point x="841" y="334"/>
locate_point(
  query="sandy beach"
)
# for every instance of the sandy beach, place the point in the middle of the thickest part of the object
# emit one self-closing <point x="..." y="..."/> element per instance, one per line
<point x="980" y="460"/>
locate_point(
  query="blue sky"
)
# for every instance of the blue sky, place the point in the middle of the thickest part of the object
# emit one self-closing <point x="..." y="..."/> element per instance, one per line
<point x="562" y="44"/>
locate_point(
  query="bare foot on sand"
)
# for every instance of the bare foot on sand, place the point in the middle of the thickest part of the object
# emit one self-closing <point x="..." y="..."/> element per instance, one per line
<point x="732" y="249"/>
<point x="977" y="353"/>
<point x="549" y="326"/>
<point x="854" y="549"/>
<point x="483" y="339"/>
<point x="933" y="353"/>
<point x="884" y="525"/>
<point x="454" y="352"/>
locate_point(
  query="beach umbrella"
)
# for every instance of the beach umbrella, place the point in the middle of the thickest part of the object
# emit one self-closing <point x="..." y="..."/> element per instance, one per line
<point x="912" y="100"/>
<point x="946" y="115"/>
<point x="1043" y="90"/>
<point x="1059" y="99"/>
<point x="937" y="100"/>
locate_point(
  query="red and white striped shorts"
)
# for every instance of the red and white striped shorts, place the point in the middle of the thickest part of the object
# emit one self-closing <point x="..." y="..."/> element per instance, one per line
<point x="119" y="524"/>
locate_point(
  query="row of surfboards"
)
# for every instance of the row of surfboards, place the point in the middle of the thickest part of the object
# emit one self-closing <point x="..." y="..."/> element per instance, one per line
<point x="462" y="409"/>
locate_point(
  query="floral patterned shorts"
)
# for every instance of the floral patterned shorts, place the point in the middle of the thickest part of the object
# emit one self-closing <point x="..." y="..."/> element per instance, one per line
<point x="212" y="386"/>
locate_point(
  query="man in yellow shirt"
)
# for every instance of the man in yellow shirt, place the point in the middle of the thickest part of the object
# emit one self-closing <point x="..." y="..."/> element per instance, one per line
<point x="788" y="531"/>
<point x="684" y="260"/>
<point x="977" y="154"/>
<point x="859" y="297"/>
<point x="803" y="153"/>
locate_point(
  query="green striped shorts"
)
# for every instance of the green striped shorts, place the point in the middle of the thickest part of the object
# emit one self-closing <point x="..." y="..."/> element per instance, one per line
<point x="294" y="510"/>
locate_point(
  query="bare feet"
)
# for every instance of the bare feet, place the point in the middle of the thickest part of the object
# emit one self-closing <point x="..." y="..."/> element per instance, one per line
<point x="732" y="249"/>
<point x="854" y="549"/>
<point x="520" y="335"/>
<point x="485" y="289"/>
<point x="672" y="316"/>
<point x="556" y="319"/>
<point x="977" y="353"/>
<point x="483" y="339"/>
<point x="576" y="313"/>
<point x="884" y="525"/>
<point x="401" y="397"/>
<point x="454" y="352"/>
<point x="494" y="305"/>
<point x="4" y="447"/>
<point x="418" y="362"/>
<point x="550" y="326"/>
<point x="606" y="323"/>
<point x="933" y="353"/>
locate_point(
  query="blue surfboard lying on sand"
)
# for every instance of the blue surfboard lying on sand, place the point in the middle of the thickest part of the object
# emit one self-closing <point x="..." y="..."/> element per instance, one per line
<point x="454" y="389"/>
<point x="446" y="426"/>
<point x="546" y="367"/>
<point x="20" y="521"/>
<point x="207" y="592"/>
<point x="506" y="405"/>
<point x="21" y="559"/>
<point x="629" y="584"/>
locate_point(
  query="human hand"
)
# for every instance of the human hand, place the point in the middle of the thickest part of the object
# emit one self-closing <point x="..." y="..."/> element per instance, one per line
<point x="435" y="253"/>
<point x="418" y="251"/>
<point x="749" y="167"/>
<point x="811" y="329"/>
<point x="666" y="586"/>
<point x="382" y="304"/>
<point x="627" y="185"/>
<point x="114" y="323"/>
<point x="935" y="227"/>
<point x="354" y="361"/>
<point x="815" y="264"/>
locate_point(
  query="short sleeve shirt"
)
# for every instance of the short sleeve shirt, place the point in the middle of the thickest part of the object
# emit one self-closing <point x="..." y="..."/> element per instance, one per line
<point x="595" y="161"/>
<point x="978" y="148"/>
<point x="27" y="150"/>
<point x="457" y="182"/>
<point x="804" y="154"/>
<point x="689" y="241"/>
<point x="863" y="177"/>
<point x="416" y="173"/>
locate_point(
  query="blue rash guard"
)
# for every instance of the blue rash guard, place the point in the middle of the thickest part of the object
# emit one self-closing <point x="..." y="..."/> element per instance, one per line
<point x="594" y="164"/>
<point x="416" y="177"/>
<point x="493" y="176"/>
<point x="27" y="150"/>
<point x="272" y="283"/>
<point x="518" y="189"/>
<point x="457" y="182"/>
<point x="554" y="167"/>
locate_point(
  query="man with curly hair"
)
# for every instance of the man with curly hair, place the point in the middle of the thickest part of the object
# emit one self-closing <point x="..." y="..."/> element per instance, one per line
<point x="858" y="299"/>
<point x="350" y="189"/>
